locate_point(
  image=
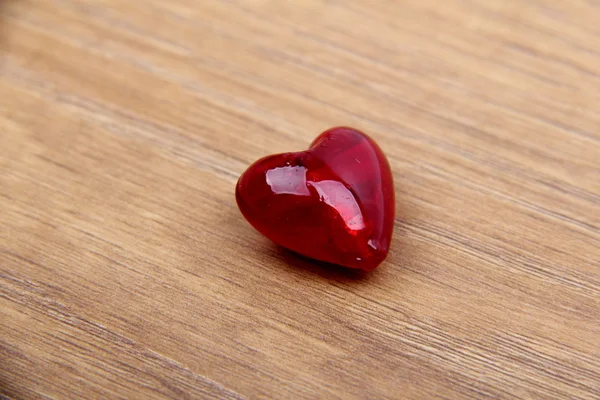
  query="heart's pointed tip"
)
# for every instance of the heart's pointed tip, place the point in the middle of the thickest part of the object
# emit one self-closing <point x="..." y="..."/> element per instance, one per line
<point x="371" y="262"/>
<point x="369" y="269"/>
<point x="365" y="268"/>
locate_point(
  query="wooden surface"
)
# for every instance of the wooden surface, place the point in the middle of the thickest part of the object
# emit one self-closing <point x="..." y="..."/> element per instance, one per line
<point x="126" y="270"/>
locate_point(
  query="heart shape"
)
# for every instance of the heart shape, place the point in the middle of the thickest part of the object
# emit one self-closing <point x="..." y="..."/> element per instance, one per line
<point x="333" y="202"/>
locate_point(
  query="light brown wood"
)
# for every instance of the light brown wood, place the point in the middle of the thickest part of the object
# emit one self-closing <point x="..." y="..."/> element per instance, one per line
<point x="126" y="270"/>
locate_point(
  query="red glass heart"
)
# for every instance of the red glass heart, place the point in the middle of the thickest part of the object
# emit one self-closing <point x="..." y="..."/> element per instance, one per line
<point x="333" y="202"/>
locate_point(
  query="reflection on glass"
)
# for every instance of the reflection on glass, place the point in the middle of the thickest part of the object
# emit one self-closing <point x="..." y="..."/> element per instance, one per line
<point x="288" y="180"/>
<point x="292" y="180"/>
<point x="339" y="197"/>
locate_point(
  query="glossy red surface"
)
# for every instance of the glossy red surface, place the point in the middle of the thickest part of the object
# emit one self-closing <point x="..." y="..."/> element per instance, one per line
<point x="333" y="202"/>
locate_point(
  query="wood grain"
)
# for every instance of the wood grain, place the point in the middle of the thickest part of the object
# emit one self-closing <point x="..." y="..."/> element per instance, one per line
<point x="126" y="270"/>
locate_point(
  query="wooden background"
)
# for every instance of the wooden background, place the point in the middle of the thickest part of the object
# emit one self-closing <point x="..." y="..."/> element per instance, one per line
<point x="126" y="270"/>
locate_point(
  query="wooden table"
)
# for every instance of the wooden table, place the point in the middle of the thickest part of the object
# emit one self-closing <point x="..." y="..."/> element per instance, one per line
<point x="127" y="271"/>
